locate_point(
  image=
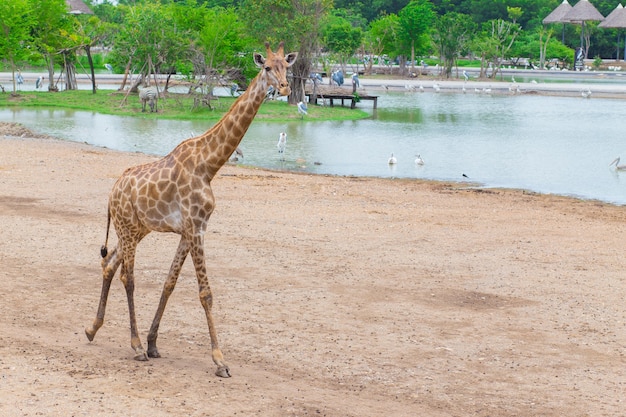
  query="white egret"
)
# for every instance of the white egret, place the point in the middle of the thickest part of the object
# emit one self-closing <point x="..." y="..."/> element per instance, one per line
<point x="419" y="160"/>
<point x="282" y="143"/>
<point x="392" y="160"/>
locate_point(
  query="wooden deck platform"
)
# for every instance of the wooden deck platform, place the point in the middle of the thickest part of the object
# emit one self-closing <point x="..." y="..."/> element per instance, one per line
<point x="339" y="94"/>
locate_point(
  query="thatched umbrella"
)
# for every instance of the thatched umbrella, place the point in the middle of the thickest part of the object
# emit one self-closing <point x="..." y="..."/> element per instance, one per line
<point x="583" y="12"/>
<point x="78" y="7"/>
<point x="557" y="16"/>
<point x="615" y="20"/>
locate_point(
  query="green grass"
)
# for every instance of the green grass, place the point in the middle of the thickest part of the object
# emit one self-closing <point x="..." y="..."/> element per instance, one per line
<point x="173" y="106"/>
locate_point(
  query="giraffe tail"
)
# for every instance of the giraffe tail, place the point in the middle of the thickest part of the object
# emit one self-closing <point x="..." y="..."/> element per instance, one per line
<point x="103" y="249"/>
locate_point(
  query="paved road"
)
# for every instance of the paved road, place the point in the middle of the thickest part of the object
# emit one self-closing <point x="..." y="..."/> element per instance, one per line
<point x="600" y="83"/>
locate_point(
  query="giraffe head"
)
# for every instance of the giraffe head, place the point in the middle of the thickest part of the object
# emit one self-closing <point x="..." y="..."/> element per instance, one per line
<point x="275" y="67"/>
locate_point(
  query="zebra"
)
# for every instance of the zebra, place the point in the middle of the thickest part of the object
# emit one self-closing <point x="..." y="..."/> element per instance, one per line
<point x="148" y="95"/>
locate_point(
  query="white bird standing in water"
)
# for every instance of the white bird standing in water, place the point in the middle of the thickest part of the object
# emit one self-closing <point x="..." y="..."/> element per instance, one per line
<point x="617" y="165"/>
<point x="392" y="160"/>
<point x="419" y="160"/>
<point x="282" y="143"/>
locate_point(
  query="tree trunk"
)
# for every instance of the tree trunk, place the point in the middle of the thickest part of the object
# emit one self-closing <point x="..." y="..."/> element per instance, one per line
<point x="13" y="75"/>
<point x="93" y="74"/>
<point x="126" y="71"/>
<point x="50" y="62"/>
<point x="412" y="56"/>
<point x="300" y="71"/>
<point x="70" y="71"/>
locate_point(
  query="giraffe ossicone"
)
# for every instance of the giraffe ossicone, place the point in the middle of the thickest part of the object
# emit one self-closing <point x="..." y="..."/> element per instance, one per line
<point x="174" y="194"/>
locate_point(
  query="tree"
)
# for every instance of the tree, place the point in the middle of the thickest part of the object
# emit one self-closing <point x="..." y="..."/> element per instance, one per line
<point x="415" y="23"/>
<point x="220" y="48"/>
<point x="381" y="39"/>
<point x="297" y="23"/>
<point x="452" y="33"/>
<point x="343" y="40"/>
<point x="371" y="9"/>
<point x="543" y="44"/>
<point x="94" y="32"/>
<point x="514" y="13"/>
<point x="149" y="41"/>
<point x="51" y="28"/>
<point x="540" y="44"/>
<point x="15" y="27"/>
<point x="494" y="44"/>
<point x="73" y="40"/>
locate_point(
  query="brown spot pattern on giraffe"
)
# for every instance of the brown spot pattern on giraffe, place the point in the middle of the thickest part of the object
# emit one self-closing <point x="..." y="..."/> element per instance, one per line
<point x="174" y="194"/>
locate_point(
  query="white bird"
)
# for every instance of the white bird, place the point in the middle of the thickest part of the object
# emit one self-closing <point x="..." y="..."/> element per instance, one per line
<point x="237" y="155"/>
<point x="436" y="87"/>
<point x="355" y="80"/>
<point x="282" y="142"/>
<point x="392" y="160"/>
<point x="39" y="82"/>
<point x="302" y="109"/>
<point x="617" y="165"/>
<point x="419" y="160"/>
<point x="586" y="94"/>
<point x="421" y="88"/>
<point x="109" y="67"/>
<point x="465" y="75"/>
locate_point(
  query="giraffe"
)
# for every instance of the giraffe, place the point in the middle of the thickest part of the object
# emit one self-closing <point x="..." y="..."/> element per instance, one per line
<point x="174" y="194"/>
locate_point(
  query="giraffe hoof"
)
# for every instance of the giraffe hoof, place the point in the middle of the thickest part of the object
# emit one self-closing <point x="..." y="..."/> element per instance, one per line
<point x="223" y="372"/>
<point x="141" y="356"/>
<point x="90" y="334"/>
<point x="153" y="353"/>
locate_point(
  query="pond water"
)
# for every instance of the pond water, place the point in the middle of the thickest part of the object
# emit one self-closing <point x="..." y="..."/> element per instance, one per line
<point x="559" y="145"/>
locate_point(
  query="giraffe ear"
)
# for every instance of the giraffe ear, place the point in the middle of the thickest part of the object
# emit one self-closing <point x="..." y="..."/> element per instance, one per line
<point x="291" y="58"/>
<point x="259" y="60"/>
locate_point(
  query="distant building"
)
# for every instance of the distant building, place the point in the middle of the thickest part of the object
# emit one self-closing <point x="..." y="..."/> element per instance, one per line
<point x="78" y="7"/>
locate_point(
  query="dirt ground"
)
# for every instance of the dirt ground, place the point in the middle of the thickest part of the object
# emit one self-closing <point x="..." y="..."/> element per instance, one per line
<point x="334" y="296"/>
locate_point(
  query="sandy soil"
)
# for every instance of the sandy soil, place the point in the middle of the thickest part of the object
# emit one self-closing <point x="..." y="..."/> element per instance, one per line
<point x="334" y="296"/>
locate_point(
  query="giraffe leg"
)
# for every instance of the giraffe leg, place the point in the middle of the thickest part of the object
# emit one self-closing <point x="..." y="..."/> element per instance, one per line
<point x="128" y="279"/>
<point x="168" y="288"/>
<point x="206" y="299"/>
<point x="109" y="266"/>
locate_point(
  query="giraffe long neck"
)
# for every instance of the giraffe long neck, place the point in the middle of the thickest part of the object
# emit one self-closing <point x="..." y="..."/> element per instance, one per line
<point x="218" y="143"/>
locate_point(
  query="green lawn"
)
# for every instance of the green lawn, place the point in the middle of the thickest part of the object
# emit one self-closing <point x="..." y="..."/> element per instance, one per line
<point x="173" y="106"/>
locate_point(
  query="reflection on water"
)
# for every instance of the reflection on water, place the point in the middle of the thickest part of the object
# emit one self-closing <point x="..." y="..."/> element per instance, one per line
<point x="560" y="145"/>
